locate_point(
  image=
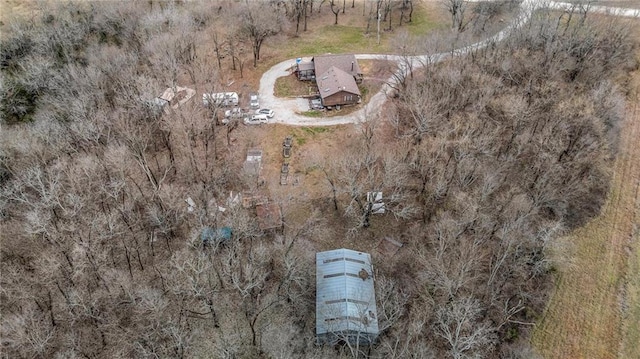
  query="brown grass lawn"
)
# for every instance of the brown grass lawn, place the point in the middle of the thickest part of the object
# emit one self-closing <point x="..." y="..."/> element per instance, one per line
<point x="10" y="9"/>
<point x="595" y="310"/>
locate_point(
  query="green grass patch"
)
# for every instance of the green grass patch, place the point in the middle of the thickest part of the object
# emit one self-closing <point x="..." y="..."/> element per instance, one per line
<point x="290" y="86"/>
<point x="301" y="138"/>
<point x="283" y="87"/>
<point x="350" y="35"/>
<point x="364" y="90"/>
<point x="334" y="39"/>
<point x="312" y="113"/>
<point x="424" y="21"/>
<point x="314" y="130"/>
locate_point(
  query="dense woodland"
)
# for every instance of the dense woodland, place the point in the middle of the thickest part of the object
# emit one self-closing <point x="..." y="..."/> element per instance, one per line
<point x="484" y="160"/>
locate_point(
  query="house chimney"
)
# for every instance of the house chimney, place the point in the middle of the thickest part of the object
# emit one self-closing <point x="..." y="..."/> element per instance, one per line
<point x="351" y="66"/>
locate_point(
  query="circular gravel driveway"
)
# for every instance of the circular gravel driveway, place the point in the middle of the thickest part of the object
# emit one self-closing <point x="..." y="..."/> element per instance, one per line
<point x="288" y="110"/>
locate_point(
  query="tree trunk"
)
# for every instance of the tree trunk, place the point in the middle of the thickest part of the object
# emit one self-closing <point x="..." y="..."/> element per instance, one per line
<point x="305" y="17"/>
<point x="256" y="55"/>
<point x="336" y="11"/>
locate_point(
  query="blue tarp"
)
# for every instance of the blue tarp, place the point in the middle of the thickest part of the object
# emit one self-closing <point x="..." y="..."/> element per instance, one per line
<point x="218" y="235"/>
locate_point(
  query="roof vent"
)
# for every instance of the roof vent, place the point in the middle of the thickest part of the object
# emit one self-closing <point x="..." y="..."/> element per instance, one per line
<point x="327" y="89"/>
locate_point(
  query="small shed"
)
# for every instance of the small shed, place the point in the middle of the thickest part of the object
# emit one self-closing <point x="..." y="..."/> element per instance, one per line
<point x="345" y="297"/>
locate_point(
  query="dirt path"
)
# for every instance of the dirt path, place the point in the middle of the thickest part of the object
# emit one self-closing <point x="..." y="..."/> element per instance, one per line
<point x="591" y="312"/>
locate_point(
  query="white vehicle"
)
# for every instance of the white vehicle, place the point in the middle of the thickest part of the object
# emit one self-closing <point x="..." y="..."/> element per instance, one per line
<point x="220" y="99"/>
<point x="253" y="101"/>
<point x="234" y="113"/>
<point x="265" y="111"/>
<point x="256" y="120"/>
<point x="316" y="104"/>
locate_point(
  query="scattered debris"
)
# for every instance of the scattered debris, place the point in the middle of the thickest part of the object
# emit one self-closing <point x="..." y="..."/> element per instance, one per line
<point x="191" y="205"/>
<point x="389" y="246"/>
<point x="286" y="146"/>
<point x="177" y="97"/>
<point x="232" y="200"/>
<point x="284" y="174"/>
<point x="375" y="200"/>
<point x="269" y="216"/>
<point x="251" y="199"/>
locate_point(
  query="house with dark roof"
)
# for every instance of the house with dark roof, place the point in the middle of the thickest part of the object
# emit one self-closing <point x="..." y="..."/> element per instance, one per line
<point x="337" y="77"/>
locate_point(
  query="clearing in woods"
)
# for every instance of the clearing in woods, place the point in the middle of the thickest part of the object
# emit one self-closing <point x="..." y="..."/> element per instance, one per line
<point x="595" y="310"/>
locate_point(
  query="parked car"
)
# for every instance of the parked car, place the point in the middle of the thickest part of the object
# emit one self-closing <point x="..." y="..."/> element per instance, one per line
<point x="235" y="112"/>
<point x="253" y="101"/>
<point x="265" y="111"/>
<point x="220" y="99"/>
<point x="315" y="104"/>
<point x="256" y="120"/>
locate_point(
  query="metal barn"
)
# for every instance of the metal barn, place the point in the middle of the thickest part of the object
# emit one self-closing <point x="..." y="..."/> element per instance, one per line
<point x="345" y="297"/>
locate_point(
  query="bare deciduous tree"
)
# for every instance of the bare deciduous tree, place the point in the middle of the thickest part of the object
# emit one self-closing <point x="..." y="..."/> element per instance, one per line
<point x="259" y="21"/>
<point x="457" y="323"/>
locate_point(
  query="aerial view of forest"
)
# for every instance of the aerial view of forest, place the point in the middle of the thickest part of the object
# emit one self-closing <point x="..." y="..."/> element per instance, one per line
<point x="182" y="179"/>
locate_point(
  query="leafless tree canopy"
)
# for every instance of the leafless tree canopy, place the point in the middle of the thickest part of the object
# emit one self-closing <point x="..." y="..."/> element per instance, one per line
<point x="489" y="158"/>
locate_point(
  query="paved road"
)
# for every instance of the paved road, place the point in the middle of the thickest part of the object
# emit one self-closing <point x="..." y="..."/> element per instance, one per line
<point x="287" y="110"/>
